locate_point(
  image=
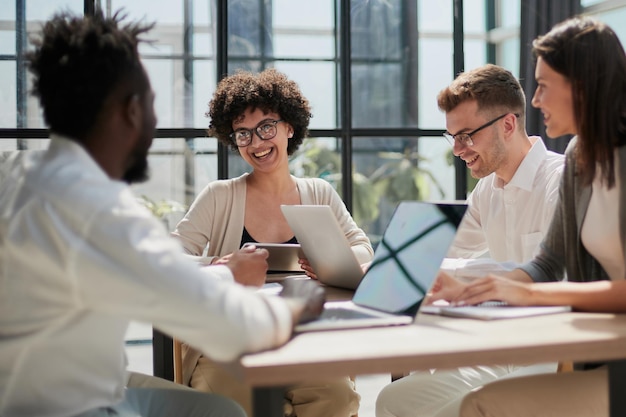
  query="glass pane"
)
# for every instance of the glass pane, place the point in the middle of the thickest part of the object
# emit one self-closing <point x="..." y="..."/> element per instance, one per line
<point x="7" y="145"/>
<point x="312" y="44"/>
<point x="304" y="14"/>
<point x="434" y="75"/>
<point x="318" y="83"/>
<point x="167" y="14"/>
<point x="41" y="10"/>
<point x="205" y="163"/>
<point x="509" y="55"/>
<point x="318" y="158"/>
<point x="204" y="82"/>
<point x="203" y="12"/>
<point x="21" y="144"/>
<point x="8" y="91"/>
<point x="379" y="98"/>
<point x="34" y="113"/>
<point x="7" y="29"/>
<point x="7" y="39"/>
<point x="474" y="16"/>
<point x="166" y="186"/>
<point x="377" y="29"/>
<point x="510" y="13"/>
<point x="248" y="33"/>
<point x="437" y="163"/>
<point x="203" y="41"/>
<point x="475" y="53"/>
<point x="393" y="169"/>
<point x="435" y="16"/>
<point x="303" y="28"/>
<point x="380" y="72"/>
<point x="615" y="19"/>
<point x="171" y="91"/>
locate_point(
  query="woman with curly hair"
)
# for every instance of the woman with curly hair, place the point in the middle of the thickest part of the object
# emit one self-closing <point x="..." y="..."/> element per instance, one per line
<point x="265" y="118"/>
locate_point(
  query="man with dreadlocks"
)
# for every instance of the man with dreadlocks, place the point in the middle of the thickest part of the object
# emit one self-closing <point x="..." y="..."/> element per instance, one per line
<point x="80" y="257"/>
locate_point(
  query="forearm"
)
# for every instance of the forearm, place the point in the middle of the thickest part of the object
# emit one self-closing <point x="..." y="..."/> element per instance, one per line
<point x="518" y="275"/>
<point x="597" y="296"/>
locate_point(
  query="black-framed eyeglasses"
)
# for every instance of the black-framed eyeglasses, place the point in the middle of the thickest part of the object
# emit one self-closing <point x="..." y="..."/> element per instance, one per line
<point x="465" y="139"/>
<point x="266" y="130"/>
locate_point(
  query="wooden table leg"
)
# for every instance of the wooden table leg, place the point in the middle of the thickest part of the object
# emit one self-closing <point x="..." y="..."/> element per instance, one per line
<point x="617" y="381"/>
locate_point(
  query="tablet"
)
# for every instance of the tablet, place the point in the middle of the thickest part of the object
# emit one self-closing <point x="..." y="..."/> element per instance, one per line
<point x="283" y="257"/>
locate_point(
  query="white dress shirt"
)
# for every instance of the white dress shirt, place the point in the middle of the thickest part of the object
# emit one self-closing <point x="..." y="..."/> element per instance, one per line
<point x="79" y="259"/>
<point x="507" y="222"/>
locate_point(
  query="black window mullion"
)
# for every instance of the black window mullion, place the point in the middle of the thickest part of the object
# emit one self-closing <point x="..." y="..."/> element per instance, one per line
<point x="345" y="100"/>
<point x="459" y="65"/>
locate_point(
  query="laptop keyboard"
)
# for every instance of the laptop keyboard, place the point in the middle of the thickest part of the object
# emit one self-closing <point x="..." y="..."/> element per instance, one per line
<point x="342" y="314"/>
<point x="493" y="304"/>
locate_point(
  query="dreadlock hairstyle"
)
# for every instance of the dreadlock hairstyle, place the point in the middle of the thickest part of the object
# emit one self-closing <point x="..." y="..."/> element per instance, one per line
<point x="78" y="62"/>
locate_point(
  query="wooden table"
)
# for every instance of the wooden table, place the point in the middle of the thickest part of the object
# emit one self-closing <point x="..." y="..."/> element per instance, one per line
<point x="437" y="342"/>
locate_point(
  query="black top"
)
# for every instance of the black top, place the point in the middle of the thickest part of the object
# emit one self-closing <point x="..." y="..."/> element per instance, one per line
<point x="245" y="238"/>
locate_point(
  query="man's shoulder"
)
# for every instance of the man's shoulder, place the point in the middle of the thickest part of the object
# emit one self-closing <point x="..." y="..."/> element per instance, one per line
<point x="553" y="163"/>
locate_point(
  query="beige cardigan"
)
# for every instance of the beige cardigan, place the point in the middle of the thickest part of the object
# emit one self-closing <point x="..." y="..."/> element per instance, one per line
<point x="215" y="219"/>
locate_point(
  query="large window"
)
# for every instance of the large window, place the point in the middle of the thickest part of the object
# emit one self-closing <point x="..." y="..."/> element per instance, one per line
<point x="371" y="69"/>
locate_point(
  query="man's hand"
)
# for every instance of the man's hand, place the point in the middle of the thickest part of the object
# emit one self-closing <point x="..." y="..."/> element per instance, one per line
<point x="249" y="265"/>
<point x="445" y="288"/>
<point x="306" y="298"/>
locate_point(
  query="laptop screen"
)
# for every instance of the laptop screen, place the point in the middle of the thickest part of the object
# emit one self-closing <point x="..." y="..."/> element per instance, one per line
<point x="408" y="257"/>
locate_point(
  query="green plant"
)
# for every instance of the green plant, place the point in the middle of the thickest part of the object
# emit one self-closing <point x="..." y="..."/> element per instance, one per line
<point x="162" y="208"/>
<point x="402" y="177"/>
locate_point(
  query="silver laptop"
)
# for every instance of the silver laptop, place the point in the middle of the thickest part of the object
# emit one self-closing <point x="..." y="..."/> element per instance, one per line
<point x="405" y="264"/>
<point x="324" y="244"/>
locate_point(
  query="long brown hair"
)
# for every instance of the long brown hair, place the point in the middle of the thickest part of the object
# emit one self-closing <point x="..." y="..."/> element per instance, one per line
<point x="590" y="56"/>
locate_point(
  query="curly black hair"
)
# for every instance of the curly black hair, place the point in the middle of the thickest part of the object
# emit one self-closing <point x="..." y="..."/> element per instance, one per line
<point x="269" y="91"/>
<point x="78" y="62"/>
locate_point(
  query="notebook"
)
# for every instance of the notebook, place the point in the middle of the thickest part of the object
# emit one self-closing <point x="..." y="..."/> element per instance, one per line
<point x="495" y="312"/>
<point x="324" y="244"/>
<point x="405" y="264"/>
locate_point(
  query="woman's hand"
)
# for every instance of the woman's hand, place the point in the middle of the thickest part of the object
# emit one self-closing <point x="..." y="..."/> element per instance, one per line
<point x="221" y="261"/>
<point x="494" y="287"/>
<point x="307" y="268"/>
<point x="488" y="288"/>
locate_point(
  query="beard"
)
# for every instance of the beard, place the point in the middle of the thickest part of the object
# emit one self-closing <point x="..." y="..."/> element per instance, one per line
<point x="138" y="171"/>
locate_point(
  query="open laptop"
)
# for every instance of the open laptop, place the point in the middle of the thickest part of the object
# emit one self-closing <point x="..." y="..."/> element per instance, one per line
<point x="324" y="244"/>
<point x="405" y="265"/>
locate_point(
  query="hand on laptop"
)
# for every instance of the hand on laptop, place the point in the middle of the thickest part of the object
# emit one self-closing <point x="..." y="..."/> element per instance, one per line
<point x="306" y="297"/>
<point x="511" y="289"/>
<point x="445" y="288"/>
